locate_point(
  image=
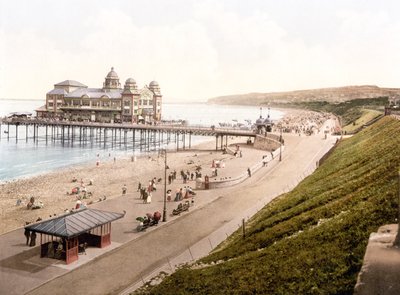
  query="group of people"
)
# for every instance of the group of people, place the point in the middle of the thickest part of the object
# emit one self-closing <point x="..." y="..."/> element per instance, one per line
<point x="33" y="204"/>
<point x="306" y="122"/>
<point x="186" y="176"/>
<point x="146" y="192"/>
<point x="238" y="152"/>
<point x="55" y="249"/>
<point x="77" y="190"/>
<point x="181" y="193"/>
<point x="171" y="176"/>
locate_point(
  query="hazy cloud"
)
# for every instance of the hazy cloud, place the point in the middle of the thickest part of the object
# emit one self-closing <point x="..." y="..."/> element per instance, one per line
<point x="202" y="49"/>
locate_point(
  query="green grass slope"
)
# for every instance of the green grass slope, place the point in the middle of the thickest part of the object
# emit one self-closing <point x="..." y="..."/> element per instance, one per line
<point x="313" y="239"/>
<point x="367" y="116"/>
<point x="350" y="111"/>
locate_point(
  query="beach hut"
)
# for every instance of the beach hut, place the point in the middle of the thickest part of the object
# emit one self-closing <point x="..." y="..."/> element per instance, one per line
<point x="65" y="236"/>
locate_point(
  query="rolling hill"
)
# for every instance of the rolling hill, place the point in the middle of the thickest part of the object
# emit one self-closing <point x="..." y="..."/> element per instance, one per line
<point x="335" y="95"/>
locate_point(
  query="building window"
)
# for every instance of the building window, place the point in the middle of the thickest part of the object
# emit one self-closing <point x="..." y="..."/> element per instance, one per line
<point x="127" y="103"/>
<point x="126" y="112"/>
<point x="135" y="103"/>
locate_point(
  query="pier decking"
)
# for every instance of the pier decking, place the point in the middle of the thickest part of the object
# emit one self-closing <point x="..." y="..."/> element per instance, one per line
<point x="136" y="135"/>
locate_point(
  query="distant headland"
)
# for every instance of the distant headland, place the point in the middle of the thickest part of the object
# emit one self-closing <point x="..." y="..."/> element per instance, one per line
<point x="335" y="94"/>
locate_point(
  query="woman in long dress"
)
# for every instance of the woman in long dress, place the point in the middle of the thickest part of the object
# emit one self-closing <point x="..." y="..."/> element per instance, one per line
<point x="148" y="200"/>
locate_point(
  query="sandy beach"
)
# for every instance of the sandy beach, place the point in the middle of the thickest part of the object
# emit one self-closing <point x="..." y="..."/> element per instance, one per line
<point x="54" y="190"/>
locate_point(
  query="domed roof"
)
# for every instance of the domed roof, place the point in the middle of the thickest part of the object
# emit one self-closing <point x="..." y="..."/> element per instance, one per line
<point x="130" y="81"/>
<point x="112" y="74"/>
<point x="267" y="121"/>
<point x="260" y="121"/>
<point x="153" y="84"/>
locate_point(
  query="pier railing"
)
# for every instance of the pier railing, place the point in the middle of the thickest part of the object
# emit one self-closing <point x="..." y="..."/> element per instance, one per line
<point x="158" y="127"/>
<point x="64" y="130"/>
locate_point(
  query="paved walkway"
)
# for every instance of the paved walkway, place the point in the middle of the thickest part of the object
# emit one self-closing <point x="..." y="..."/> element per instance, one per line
<point x="133" y="255"/>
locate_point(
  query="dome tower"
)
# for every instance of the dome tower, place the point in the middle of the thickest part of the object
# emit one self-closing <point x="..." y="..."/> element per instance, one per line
<point x="111" y="81"/>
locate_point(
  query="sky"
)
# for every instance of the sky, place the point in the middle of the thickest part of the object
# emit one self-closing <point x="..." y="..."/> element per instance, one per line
<point x="197" y="50"/>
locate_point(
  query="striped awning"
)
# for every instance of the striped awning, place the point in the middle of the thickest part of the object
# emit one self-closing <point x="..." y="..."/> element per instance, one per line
<point x="75" y="223"/>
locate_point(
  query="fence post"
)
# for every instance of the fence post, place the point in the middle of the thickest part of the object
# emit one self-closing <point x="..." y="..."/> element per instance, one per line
<point x="191" y="255"/>
<point x="244" y="229"/>
<point x="170" y="266"/>
<point x="397" y="240"/>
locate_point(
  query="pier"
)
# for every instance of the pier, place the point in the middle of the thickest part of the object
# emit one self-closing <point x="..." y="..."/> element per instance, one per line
<point x="135" y="136"/>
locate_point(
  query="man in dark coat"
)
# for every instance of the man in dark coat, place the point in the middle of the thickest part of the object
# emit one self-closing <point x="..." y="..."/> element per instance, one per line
<point x="27" y="234"/>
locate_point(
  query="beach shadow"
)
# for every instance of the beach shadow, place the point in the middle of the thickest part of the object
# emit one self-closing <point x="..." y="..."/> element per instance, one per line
<point x="28" y="261"/>
<point x="130" y="231"/>
<point x="20" y="245"/>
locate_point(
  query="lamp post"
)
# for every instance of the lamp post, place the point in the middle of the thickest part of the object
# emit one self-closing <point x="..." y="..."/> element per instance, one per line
<point x="164" y="219"/>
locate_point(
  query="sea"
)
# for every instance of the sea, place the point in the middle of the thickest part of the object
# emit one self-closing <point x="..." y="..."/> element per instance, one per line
<point x="26" y="158"/>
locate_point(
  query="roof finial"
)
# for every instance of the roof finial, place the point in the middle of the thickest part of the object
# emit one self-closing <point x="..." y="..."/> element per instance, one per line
<point x="112" y="68"/>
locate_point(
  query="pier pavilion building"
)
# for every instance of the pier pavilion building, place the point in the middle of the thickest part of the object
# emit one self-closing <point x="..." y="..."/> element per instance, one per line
<point x="74" y="101"/>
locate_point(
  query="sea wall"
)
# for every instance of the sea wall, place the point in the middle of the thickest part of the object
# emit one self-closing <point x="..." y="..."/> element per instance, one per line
<point x="328" y="153"/>
<point x="225" y="182"/>
<point x="267" y="143"/>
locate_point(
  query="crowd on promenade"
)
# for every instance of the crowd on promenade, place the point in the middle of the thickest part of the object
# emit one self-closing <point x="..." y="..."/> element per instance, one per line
<point x="302" y="122"/>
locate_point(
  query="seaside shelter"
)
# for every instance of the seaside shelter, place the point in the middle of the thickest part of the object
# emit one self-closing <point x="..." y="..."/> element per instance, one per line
<point x="66" y="236"/>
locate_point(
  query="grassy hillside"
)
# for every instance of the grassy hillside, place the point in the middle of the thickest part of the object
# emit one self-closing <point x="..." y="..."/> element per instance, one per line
<point x="366" y="117"/>
<point x="350" y="111"/>
<point x="313" y="239"/>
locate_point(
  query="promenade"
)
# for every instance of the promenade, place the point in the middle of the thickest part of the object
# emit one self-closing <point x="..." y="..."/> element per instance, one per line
<point x="133" y="255"/>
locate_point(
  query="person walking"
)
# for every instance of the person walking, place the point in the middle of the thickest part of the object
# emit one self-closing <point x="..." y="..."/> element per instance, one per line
<point x="27" y="234"/>
<point x="249" y="172"/>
